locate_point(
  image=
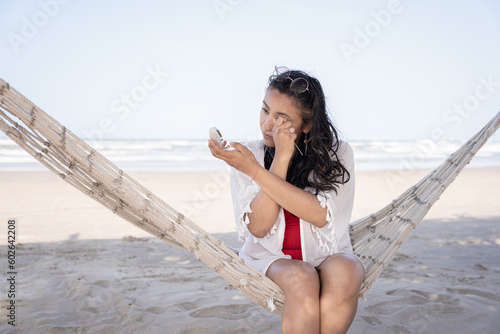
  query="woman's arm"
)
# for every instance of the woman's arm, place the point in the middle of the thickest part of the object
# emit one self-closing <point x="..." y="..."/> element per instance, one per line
<point x="264" y="209"/>
<point x="280" y="192"/>
<point x="275" y="190"/>
<point x="299" y="202"/>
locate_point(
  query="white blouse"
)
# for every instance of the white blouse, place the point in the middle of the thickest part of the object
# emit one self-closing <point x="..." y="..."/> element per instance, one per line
<point x="317" y="243"/>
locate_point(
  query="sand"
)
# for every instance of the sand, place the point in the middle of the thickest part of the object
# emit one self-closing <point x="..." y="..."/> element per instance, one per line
<point x="81" y="269"/>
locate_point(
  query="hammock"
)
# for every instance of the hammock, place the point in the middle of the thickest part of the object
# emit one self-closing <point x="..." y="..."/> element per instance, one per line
<point x="375" y="238"/>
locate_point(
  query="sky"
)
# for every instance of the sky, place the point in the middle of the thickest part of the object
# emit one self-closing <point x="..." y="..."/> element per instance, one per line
<point x="391" y="70"/>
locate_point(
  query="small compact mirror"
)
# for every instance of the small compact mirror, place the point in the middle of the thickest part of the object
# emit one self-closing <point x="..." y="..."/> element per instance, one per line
<point x="215" y="134"/>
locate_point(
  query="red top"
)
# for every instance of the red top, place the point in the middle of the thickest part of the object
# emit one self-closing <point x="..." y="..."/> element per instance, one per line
<point x="291" y="242"/>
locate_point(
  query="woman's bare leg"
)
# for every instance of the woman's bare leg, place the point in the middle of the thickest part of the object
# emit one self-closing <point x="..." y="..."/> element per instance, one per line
<point x="300" y="284"/>
<point x="341" y="276"/>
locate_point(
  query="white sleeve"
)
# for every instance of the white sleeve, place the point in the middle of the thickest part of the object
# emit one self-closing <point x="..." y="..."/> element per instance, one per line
<point x="243" y="191"/>
<point x="339" y="204"/>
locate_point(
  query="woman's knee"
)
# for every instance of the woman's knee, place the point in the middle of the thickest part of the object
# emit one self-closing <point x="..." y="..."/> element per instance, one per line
<point x="343" y="272"/>
<point x="298" y="278"/>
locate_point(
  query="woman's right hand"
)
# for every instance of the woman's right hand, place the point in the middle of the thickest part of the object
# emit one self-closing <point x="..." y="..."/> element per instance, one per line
<point x="241" y="158"/>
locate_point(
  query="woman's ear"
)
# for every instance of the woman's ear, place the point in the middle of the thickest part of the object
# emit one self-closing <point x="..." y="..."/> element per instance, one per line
<point x="307" y="127"/>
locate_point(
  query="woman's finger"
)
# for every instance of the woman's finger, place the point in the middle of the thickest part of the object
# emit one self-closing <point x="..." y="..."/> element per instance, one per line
<point x="285" y="129"/>
<point x="215" y="149"/>
<point x="238" y="147"/>
<point x="280" y="121"/>
<point x="240" y="158"/>
<point x="282" y="125"/>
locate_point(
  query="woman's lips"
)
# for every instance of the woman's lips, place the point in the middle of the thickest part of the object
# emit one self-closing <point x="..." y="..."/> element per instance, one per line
<point x="267" y="137"/>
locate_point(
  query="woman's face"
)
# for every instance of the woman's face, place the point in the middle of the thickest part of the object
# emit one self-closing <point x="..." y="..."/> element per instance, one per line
<point x="276" y="105"/>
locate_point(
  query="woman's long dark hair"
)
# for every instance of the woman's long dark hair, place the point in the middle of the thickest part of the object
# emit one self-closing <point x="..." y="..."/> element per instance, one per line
<point x="320" y="157"/>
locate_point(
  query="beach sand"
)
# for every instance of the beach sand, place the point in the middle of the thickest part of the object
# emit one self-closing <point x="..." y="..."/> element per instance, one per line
<point x="82" y="269"/>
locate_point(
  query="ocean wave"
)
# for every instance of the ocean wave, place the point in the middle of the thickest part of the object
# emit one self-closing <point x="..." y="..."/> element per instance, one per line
<point x="194" y="154"/>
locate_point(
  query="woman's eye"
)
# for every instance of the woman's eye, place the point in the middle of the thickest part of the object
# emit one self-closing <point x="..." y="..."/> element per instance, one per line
<point x="265" y="110"/>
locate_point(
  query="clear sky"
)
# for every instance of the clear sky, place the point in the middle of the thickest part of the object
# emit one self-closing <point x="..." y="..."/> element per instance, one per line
<point x="391" y="70"/>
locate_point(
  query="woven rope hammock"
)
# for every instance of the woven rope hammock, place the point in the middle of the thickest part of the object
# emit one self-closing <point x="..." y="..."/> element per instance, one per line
<point x="375" y="238"/>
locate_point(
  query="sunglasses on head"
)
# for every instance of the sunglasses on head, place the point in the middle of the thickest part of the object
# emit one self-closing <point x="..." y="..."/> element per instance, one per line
<point x="281" y="73"/>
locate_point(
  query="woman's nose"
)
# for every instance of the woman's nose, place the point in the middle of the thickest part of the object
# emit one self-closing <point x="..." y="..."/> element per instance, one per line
<point x="269" y="123"/>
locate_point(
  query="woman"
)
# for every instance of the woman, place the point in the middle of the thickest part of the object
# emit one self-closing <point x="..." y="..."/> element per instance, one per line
<point x="292" y="195"/>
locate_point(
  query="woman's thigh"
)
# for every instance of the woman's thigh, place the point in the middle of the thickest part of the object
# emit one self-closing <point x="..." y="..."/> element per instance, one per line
<point x="344" y="271"/>
<point x="290" y="275"/>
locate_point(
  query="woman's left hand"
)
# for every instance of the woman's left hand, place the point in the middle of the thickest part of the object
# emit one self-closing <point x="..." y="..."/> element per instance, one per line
<point x="240" y="158"/>
<point x="284" y="138"/>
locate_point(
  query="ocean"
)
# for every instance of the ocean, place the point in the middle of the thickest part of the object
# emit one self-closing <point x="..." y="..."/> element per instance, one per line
<point x="193" y="155"/>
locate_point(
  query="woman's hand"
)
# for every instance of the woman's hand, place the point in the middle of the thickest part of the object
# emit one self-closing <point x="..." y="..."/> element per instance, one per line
<point x="284" y="139"/>
<point x="240" y="158"/>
